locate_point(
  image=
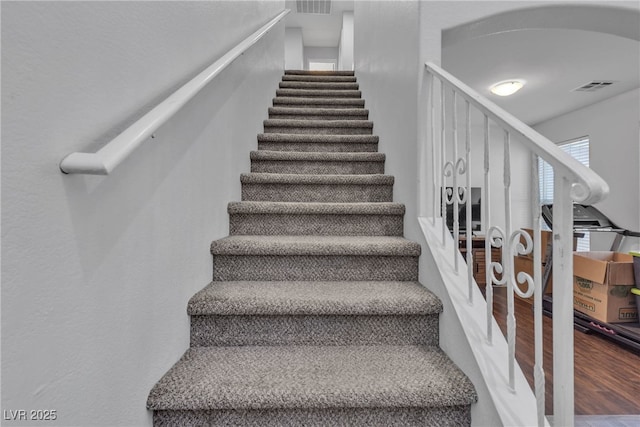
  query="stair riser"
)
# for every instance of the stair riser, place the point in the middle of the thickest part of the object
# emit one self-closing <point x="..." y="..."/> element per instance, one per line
<point x="317" y="167"/>
<point x="319" y="85"/>
<point x="318" y="117"/>
<point x="319" y="417"/>
<point x="316" y="225"/>
<point x="318" y="147"/>
<point x="301" y="102"/>
<point x="331" y="79"/>
<point x="307" y="267"/>
<point x="319" y="93"/>
<point x="319" y="105"/>
<point x="317" y="193"/>
<point x="318" y="73"/>
<point x="313" y="330"/>
<point x="304" y="130"/>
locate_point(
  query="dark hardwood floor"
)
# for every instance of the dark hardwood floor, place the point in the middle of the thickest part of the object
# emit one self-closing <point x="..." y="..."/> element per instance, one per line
<point x="607" y="374"/>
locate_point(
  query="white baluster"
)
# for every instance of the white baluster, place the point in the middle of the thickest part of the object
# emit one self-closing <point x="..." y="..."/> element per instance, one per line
<point x="443" y="159"/>
<point x="507" y="262"/>
<point x="485" y="226"/>
<point x="538" y="369"/>
<point x="434" y="180"/>
<point x="469" y="228"/>
<point x="456" y="186"/>
<point x="563" y="381"/>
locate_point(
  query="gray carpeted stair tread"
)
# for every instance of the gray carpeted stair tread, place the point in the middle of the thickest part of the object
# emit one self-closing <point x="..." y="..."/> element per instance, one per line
<point x="300" y="208"/>
<point x="317" y="73"/>
<point x="282" y="245"/>
<point x="289" y="187"/>
<point x="331" y="127"/>
<point x="311" y="377"/>
<point x="314" y="298"/>
<point x="319" y="85"/>
<point x="318" y="102"/>
<point x="307" y="113"/>
<point x="312" y="78"/>
<point x="317" y="143"/>
<point x="320" y="139"/>
<point x="295" y="179"/>
<point x="322" y="93"/>
<point x="299" y="218"/>
<point x="326" y="163"/>
<point x="316" y="156"/>
<point x="292" y="123"/>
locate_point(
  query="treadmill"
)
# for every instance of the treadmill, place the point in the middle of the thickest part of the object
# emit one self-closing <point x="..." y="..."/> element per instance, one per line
<point x="589" y="219"/>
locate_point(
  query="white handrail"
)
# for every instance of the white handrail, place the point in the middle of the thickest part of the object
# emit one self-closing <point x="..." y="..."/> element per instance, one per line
<point x="111" y="155"/>
<point x="589" y="187"/>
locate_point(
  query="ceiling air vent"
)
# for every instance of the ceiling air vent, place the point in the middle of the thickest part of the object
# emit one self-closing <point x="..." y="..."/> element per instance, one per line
<point x="314" y="6"/>
<point x="593" y="86"/>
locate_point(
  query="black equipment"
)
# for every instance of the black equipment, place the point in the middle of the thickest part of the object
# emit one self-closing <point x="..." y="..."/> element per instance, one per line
<point x="589" y="219"/>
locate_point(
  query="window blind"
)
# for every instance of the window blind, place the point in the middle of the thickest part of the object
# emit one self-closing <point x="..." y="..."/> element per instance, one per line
<point x="579" y="150"/>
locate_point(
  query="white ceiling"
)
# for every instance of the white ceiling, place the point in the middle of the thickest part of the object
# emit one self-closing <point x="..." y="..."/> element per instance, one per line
<point x="319" y="30"/>
<point x="553" y="61"/>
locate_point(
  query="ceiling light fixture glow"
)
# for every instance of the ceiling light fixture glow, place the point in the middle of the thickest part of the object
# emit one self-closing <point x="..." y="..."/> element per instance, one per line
<point x="507" y="87"/>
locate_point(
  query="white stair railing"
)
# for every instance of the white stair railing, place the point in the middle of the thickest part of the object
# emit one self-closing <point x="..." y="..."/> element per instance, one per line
<point x="451" y="185"/>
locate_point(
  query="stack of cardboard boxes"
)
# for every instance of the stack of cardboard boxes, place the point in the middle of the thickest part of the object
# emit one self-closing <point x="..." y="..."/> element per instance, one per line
<point x="602" y="285"/>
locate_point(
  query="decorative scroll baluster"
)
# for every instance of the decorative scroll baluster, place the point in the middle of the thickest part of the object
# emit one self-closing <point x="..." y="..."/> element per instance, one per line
<point x="509" y="276"/>
<point x="469" y="227"/>
<point x="485" y="226"/>
<point x="455" y="186"/>
<point x="506" y="264"/>
<point x="538" y="369"/>
<point x="457" y="195"/>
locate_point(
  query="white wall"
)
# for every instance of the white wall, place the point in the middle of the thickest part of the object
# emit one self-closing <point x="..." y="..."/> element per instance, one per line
<point x="345" y="48"/>
<point x="293" y="49"/>
<point x="324" y="54"/>
<point x="386" y="63"/>
<point x="97" y="271"/>
<point x="613" y="129"/>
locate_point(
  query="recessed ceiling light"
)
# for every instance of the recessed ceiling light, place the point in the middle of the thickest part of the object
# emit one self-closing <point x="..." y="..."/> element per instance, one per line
<point x="507" y="87"/>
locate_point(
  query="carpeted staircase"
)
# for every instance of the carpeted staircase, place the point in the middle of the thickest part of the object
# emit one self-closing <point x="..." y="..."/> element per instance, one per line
<point x="314" y="316"/>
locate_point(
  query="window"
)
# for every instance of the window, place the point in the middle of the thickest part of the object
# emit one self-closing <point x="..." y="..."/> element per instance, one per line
<point x="579" y="150"/>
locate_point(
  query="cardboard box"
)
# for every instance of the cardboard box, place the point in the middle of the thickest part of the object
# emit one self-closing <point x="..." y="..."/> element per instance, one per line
<point x="602" y="285"/>
<point x="525" y="264"/>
